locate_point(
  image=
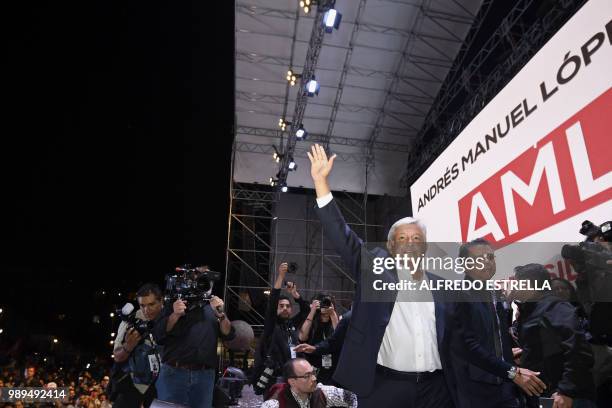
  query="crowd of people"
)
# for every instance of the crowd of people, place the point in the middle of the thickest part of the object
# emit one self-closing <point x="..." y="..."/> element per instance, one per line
<point x="85" y="390"/>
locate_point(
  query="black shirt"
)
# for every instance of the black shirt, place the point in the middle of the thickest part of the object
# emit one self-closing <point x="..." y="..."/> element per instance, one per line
<point x="193" y="339"/>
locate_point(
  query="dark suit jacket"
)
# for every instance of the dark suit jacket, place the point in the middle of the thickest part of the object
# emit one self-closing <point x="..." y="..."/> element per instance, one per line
<point x="481" y="377"/>
<point x="357" y="366"/>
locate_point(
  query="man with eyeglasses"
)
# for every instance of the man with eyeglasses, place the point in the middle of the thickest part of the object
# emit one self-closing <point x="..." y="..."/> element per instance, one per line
<point x="481" y="347"/>
<point x="302" y="391"/>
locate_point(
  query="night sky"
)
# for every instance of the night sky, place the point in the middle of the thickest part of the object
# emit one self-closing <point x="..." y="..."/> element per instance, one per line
<point x="116" y="152"/>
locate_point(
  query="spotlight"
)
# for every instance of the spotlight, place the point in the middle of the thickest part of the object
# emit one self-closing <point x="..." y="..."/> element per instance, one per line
<point x="312" y="87"/>
<point x="301" y="133"/>
<point x="55" y="341"/>
<point x="88" y="365"/>
<point x="1" y="331"/>
<point x="276" y="155"/>
<point x="273" y="181"/>
<point x="292" y="77"/>
<point x="292" y="165"/>
<point x="112" y="314"/>
<point x="112" y="334"/>
<point x="1" y="310"/>
<point x="284" y="188"/>
<point x="111" y="342"/>
<point x="282" y="124"/>
<point x="331" y="20"/>
<point x="305" y="5"/>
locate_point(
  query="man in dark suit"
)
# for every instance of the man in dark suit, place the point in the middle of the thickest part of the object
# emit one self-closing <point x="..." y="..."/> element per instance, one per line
<point x="395" y="352"/>
<point x="481" y="347"/>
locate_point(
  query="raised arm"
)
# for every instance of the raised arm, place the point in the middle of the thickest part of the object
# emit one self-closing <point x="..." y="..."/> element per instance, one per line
<point x="345" y="241"/>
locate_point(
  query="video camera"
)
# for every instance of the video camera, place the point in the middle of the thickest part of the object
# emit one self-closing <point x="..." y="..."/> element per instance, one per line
<point x="128" y="315"/>
<point x="590" y="253"/>
<point x="194" y="285"/>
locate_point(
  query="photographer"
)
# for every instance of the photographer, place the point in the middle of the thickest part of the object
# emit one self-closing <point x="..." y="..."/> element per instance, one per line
<point x="189" y="331"/>
<point x="280" y="334"/>
<point x="136" y="353"/>
<point x="592" y="261"/>
<point x="552" y="342"/>
<point x="319" y="326"/>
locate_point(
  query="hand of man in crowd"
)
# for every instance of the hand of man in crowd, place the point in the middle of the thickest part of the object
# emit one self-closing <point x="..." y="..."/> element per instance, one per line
<point x="529" y="382"/>
<point x="179" y="307"/>
<point x="292" y="288"/>
<point x="314" y="306"/>
<point x="562" y="401"/>
<point x="217" y="304"/>
<point x="516" y="354"/>
<point x="305" y="348"/>
<point x="131" y="340"/>
<point x="282" y="272"/>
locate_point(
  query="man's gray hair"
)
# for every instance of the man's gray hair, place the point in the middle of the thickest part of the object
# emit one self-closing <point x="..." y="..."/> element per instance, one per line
<point x="404" y="221"/>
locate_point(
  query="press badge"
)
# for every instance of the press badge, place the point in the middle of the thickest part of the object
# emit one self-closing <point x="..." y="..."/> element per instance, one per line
<point x="293" y="353"/>
<point x="326" y="360"/>
<point x="154" y="363"/>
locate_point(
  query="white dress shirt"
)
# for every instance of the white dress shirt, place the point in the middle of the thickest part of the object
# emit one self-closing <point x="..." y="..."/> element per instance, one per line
<point x="410" y="340"/>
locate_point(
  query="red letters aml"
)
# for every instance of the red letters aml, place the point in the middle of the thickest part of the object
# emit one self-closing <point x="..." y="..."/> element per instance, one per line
<point x="567" y="173"/>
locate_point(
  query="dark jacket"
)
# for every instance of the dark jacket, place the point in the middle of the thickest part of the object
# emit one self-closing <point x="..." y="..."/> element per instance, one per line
<point x="480" y="373"/>
<point x="331" y="345"/>
<point x="553" y="344"/>
<point x="356" y="368"/>
<point x="193" y="339"/>
<point x="274" y="341"/>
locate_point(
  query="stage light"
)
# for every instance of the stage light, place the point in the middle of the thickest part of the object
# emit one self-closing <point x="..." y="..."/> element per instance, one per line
<point x="312" y="87"/>
<point x="292" y="77"/>
<point x="331" y="20"/>
<point x="284" y="188"/>
<point x="266" y="292"/>
<point x="305" y="5"/>
<point x="111" y="342"/>
<point x="276" y="155"/>
<point x="301" y="133"/>
<point x="1" y="310"/>
<point x="112" y="314"/>
<point x="112" y="334"/>
<point x="292" y="165"/>
<point x="282" y="124"/>
<point x="87" y="366"/>
<point x="273" y="181"/>
<point x="1" y="331"/>
<point x="55" y="341"/>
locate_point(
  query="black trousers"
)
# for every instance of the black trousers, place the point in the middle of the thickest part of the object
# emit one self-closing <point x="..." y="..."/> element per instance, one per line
<point x="430" y="391"/>
<point x="132" y="398"/>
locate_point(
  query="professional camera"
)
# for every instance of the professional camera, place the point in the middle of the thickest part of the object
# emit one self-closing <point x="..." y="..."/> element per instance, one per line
<point x="128" y="315"/>
<point x="325" y="301"/>
<point x="293" y="267"/>
<point x="589" y="253"/>
<point x="266" y="379"/>
<point x="194" y="285"/>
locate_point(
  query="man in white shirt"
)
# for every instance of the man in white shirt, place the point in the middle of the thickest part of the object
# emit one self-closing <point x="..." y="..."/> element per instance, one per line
<point x="395" y="349"/>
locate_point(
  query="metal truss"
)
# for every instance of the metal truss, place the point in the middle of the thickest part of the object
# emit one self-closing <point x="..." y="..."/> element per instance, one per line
<point x="441" y="126"/>
<point x="342" y="107"/>
<point x="341" y="84"/>
<point x="247" y="147"/>
<point x="256" y="58"/>
<point x="319" y="138"/>
<point x="388" y="91"/>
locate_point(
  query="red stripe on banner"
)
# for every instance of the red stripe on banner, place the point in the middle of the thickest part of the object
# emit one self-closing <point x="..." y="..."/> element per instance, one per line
<point x="567" y="173"/>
